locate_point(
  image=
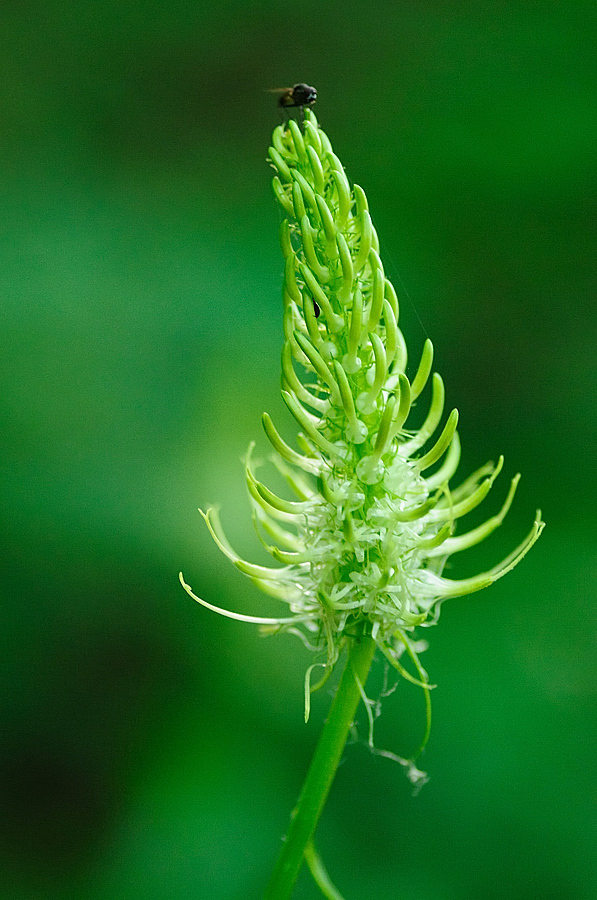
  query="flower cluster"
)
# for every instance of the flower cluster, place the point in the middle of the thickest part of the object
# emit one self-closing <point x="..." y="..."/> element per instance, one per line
<point x="364" y="540"/>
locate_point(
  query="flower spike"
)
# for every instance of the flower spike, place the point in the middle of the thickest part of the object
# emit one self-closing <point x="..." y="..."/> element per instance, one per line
<point x="363" y="543"/>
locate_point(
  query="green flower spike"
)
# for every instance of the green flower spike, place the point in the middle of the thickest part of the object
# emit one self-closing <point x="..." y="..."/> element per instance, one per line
<point x="362" y="546"/>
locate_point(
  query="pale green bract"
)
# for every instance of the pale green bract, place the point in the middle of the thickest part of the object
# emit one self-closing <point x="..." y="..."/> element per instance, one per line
<point x="373" y="519"/>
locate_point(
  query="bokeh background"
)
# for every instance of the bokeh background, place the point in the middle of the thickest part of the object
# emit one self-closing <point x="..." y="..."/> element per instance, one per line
<point x="149" y="749"/>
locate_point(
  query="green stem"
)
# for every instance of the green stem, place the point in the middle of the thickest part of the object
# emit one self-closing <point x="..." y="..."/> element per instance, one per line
<point x="320" y="874"/>
<point x="323" y="767"/>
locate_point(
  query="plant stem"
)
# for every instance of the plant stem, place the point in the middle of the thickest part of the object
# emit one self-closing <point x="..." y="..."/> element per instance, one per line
<point x="322" y="770"/>
<point x="320" y="874"/>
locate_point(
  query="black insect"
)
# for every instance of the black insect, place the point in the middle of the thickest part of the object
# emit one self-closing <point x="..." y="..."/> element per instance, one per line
<point x="298" y="96"/>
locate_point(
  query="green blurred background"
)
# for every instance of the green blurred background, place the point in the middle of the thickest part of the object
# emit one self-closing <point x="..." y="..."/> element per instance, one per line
<point x="149" y="749"/>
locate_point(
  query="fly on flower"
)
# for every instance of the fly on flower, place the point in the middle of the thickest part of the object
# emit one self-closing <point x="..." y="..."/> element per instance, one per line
<point x="300" y="95"/>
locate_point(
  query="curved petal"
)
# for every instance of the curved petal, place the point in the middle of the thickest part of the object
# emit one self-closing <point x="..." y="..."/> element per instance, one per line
<point x="433" y="419"/>
<point x="294" y="507"/>
<point x="456" y="510"/>
<point x="467" y="487"/>
<point x="441" y="445"/>
<point x="286" y="452"/>
<point x="446" y="587"/>
<point x="296" y="385"/>
<point x="448" y="467"/>
<point x="424" y="370"/>
<point x="464" y="541"/>
<point x="271" y="527"/>
<point x="256" y="620"/>
<point x="270" y="510"/>
<point x="295" y="480"/>
<point x="212" y="520"/>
